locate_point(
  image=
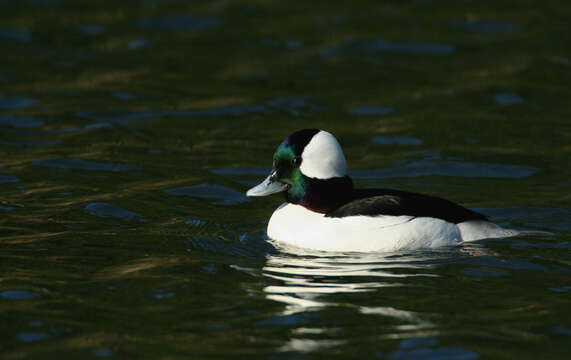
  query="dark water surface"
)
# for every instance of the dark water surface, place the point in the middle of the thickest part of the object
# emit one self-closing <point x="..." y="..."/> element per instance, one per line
<point x="129" y="132"/>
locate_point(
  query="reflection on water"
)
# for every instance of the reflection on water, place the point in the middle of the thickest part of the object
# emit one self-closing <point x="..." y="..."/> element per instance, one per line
<point x="308" y="281"/>
<point x="306" y="278"/>
<point x="308" y="345"/>
<point x="306" y="274"/>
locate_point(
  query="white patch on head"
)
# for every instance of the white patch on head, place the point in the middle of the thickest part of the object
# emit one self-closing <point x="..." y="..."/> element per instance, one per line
<point x="323" y="158"/>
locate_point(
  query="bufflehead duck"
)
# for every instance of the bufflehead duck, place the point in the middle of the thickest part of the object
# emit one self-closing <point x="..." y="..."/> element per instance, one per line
<point x="323" y="211"/>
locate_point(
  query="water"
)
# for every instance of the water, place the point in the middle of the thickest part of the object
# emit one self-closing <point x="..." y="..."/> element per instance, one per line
<point x="130" y="132"/>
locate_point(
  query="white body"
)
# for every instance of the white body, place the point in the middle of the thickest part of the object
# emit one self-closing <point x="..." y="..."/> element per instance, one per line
<point x="298" y="226"/>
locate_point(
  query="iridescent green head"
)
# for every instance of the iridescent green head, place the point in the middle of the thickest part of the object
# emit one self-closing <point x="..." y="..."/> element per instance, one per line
<point x="301" y="162"/>
<point x="286" y="166"/>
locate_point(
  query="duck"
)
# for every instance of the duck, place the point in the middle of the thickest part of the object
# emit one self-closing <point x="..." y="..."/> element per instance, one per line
<point x="324" y="211"/>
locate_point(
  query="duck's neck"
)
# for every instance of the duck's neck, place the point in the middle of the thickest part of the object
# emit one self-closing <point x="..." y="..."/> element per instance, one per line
<point x="323" y="195"/>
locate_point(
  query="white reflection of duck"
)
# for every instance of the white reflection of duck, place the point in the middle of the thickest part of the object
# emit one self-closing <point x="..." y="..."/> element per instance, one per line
<point x="306" y="280"/>
<point x="305" y="275"/>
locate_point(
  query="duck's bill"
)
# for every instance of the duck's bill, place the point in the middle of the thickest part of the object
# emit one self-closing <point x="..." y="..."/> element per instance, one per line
<point x="267" y="187"/>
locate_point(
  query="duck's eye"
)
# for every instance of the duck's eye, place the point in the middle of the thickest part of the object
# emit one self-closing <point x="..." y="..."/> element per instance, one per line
<point x="296" y="161"/>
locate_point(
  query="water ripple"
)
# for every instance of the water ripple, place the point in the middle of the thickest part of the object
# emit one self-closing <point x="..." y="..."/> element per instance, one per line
<point x="15" y="35"/>
<point x="537" y="216"/>
<point x="423" y="349"/>
<point x="371" y="110"/>
<point x="80" y="164"/>
<point x="91" y="29"/>
<point x="30" y="143"/>
<point x="102" y="352"/>
<point x="508" y="98"/>
<point x="32" y="336"/>
<point x="20" y="121"/>
<point x="448" y="168"/>
<point x="487" y="27"/>
<point x="292" y="105"/>
<point x="19" y="295"/>
<point x="8" y="179"/>
<point x="242" y="171"/>
<point x="184" y="22"/>
<point x="396" y="47"/>
<point x="16" y="102"/>
<point x="396" y="140"/>
<point x="226" y="195"/>
<point x="106" y="210"/>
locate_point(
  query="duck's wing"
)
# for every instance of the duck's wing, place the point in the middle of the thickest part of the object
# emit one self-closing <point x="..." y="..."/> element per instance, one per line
<point x="375" y="202"/>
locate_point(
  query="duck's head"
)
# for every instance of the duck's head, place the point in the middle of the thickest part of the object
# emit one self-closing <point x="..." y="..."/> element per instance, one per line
<point x="306" y="165"/>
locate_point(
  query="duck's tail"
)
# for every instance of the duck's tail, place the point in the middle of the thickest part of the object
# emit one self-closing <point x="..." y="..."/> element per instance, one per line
<point x="481" y="229"/>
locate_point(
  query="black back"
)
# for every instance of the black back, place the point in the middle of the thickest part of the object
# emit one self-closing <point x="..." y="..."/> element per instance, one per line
<point x="372" y="202"/>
